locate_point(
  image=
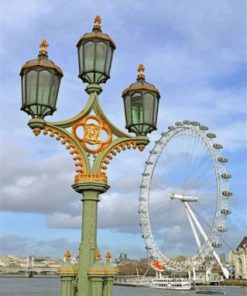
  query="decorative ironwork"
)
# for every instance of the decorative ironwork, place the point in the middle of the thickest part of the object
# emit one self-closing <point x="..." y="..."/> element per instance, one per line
<point x="97" y="23"/>
<point x="43" y="48"/>
<point x="93" y="126"/>
<point x="100" y="177"/>
<point x="141" y="70"/>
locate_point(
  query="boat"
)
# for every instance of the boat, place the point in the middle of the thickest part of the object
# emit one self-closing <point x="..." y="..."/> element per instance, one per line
<point x="169" y="283"/>
<point x="164" y="282"/>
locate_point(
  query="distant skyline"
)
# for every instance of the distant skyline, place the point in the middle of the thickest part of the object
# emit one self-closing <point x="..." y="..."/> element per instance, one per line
<point x="194" y="52"/>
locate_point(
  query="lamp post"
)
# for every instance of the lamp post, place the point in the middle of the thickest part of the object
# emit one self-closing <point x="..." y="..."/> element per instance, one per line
<point x="88" y="133"/>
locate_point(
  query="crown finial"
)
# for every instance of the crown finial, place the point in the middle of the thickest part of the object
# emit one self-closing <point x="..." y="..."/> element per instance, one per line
<point x="43" y="48"/>
<point x="108" y="257"/>
<point x="67" y="256"/>
<point x="140" y="70"/>
<point x="97" y="23"/>
<point x="97" y="255"/>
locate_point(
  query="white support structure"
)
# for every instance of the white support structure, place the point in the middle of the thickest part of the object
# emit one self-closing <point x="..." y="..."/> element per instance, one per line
<point x="194" y="222"/>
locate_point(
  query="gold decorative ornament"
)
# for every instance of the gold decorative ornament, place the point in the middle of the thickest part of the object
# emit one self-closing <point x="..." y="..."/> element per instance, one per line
<point x="72" y="270"/>
<point x="143" y="85"/>
<point x="97" y="33"/>
<point x="67" y="256"/>
<point x="43" y="48"/>
<point x="93" y="126"/>
<point x="42" y="60"/>
<point x="97" y="255"/>
<point x="141" y="70"/>
<point x="108" y="257"/>
<point x="36" y="131"/>
<point x="97" y="23"/>
<point x="42" y="63"/>
<point x="100" y="177"/>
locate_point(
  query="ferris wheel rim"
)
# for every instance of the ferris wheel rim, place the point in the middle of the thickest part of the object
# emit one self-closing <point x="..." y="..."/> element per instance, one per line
<point x="219" y="170"/>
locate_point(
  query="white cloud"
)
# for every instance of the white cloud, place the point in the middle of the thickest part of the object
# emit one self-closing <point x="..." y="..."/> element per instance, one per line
<point x="187" y="47"/>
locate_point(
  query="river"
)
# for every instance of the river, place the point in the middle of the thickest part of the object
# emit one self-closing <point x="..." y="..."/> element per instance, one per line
<point x="20" y="286"/>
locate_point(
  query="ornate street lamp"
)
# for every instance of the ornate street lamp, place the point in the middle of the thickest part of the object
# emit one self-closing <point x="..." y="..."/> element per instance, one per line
<point x="95" y="51"/>
<point x="40" y="84"/>
<point x="89" y="133"/>
<point x="141" y="101"/>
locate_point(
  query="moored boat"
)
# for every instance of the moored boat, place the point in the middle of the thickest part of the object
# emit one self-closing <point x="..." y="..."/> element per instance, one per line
<point x="169" y="283"/>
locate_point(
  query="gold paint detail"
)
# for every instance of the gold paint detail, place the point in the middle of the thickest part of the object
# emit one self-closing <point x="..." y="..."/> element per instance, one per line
<point x="111" y="271"/>
<point x="141" y="70"/>
<point x="71" y="270"/>
<point x="97" y="35"/>
<point x="36" y="131"/>
<point x="117" y="149"/>
<point x="136" y="87"/>
<point x="97" y="255"/>
<point x="100" y="177"/>
<point x="91" y="140"/>
<point x="141" y="147"/>
<point x="43" y="48"/>
<point x="67" y="256"/>
<point x="96" y="271"/>
<point x="97" y="23"/>
<point x="108" y="257"/>
<point x="73" y="149"/>
<point x="42" y="63"/>
<point x="102" y="272"/>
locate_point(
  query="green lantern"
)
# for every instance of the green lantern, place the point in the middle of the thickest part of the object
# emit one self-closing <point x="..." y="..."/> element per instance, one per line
<point x="95" y="51"/>
<point x="40" y="80"/>
<point x="141" y="101"/>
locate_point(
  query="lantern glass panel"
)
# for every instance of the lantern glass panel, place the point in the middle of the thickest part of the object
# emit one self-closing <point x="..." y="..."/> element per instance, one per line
<point x="23" y="89"/>
<point x="156" y="105"/>
<point x="127" y="103"/>
<point x="81" y="58"/>
<point x="31" y="87"/>
<point x="148" y="108"/>
<point x="101" y="49"/>
<point x="108" y="60"/>
<point x="44" y="87"/>
<point x="89" y="56"/>
<point x="137" y="108"/>
<point x="54" y="91"/>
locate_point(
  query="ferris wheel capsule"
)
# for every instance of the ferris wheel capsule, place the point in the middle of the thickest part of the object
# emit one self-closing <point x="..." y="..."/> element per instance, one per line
<point x="203" y="127"/>
<point x="226" y="176"/>
<point x="217" y="146"/>
<point x="211" y="135"/>
<point x="227" y="193"/>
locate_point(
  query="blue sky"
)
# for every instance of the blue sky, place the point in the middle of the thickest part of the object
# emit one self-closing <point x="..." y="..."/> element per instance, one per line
<point x="195" y="52"/>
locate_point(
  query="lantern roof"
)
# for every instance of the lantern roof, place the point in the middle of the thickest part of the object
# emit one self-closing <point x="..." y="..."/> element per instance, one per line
<point x="42" y="60"/>
<point x="141" y="84"/>
<point x="97" y="33"/>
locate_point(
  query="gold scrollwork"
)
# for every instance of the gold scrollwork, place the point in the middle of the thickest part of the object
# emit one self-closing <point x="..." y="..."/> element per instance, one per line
<point x="92" y="126"/>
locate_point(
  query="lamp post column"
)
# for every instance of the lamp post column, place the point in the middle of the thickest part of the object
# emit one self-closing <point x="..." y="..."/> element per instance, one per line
<point x="90" y="197"/>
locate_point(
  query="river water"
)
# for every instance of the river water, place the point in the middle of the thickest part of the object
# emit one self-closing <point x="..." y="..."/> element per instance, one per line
<point x="51" y="286"/>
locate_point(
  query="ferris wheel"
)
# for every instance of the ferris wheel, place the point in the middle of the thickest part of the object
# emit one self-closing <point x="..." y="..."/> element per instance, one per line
<point x="184" y="196"/>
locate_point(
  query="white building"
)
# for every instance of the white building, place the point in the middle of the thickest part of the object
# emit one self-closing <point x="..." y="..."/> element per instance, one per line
<point x="238" y="258"/>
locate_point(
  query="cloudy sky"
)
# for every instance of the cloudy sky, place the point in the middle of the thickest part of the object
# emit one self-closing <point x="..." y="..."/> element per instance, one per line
<point x="195" y="52"/>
